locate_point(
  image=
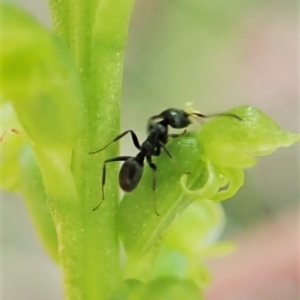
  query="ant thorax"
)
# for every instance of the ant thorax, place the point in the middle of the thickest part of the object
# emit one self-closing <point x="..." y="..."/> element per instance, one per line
<point x="148" y="147"/>
<point x="158" y="131"/>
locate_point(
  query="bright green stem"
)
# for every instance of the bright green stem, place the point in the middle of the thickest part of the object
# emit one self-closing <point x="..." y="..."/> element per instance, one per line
<point x="96" y="32"/>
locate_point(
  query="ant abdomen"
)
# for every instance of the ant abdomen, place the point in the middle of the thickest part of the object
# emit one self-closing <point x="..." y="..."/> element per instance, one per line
<point x="130" y="174"/>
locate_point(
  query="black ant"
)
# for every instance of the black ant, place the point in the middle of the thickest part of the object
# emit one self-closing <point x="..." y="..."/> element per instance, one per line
<point x="132" y="169"/>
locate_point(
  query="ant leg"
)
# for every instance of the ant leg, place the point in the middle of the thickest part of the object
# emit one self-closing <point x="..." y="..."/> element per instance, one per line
<point x="170" y="155"/>
<point x="166" y="150"/>
<point x="133" y="136"/>
<point x="153" y="167"/>
<point x="175" y="135"/>
<point x="118" y="158"/>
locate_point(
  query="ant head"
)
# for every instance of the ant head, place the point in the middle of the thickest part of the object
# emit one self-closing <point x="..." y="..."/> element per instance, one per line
<point x="130" y="174"/>
<point x="176" y="118"/>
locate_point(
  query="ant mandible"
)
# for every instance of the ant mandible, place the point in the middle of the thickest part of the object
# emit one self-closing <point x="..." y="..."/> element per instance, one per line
<point x="157" y="137"/>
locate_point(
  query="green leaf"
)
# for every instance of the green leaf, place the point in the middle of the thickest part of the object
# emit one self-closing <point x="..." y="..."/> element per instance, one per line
<point x="233" y="143"/>
<point x="39" y="77"/>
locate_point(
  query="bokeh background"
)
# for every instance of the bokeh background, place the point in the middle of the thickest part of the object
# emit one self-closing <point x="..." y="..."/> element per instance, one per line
<point x="217" y="54"/>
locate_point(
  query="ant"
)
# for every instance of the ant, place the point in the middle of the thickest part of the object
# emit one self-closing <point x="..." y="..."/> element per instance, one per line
<point x="158" y="133"/>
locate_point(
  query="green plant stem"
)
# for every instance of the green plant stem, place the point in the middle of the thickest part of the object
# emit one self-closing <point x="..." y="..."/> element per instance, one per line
<point x="97" y="37"/>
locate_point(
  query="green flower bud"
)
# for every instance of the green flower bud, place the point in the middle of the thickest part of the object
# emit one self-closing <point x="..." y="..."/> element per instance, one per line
<point x="11" y="141"/>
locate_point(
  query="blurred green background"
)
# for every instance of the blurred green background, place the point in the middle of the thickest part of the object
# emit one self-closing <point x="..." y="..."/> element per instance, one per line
<point x="218" y="55"/>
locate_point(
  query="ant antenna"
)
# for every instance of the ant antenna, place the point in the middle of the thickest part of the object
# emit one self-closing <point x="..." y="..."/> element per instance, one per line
<point x="190" y="111"/>
<point x="215" y="115"/>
